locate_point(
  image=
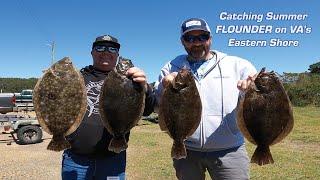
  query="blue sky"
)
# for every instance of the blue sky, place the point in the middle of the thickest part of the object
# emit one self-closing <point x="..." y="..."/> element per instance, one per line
<point x="149" y="32"/>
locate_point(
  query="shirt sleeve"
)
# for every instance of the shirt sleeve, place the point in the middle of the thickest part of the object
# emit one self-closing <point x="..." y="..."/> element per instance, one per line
<point x="158" y="85"/>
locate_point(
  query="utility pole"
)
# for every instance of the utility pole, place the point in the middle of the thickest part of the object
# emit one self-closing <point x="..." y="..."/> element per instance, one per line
<point x="52" y="45"/>
<point x="52" y="52"/>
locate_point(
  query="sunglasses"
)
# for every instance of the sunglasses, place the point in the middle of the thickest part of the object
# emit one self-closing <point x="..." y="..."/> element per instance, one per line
<point x="102" y="48"/>
<point x="192" y="38"/>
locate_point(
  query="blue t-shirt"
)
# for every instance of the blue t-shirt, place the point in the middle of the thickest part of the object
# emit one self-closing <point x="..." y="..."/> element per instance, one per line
<point x="198" y="67"/>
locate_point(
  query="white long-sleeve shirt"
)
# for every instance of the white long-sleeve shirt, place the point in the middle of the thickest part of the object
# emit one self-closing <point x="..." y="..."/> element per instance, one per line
<point x="219" y="96"/>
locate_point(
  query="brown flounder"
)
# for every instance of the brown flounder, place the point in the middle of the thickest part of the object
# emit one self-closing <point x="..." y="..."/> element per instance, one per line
<point x="121" y="104"/>
<point x="60" y="102"/>
<point x="180" y="111"/>
<point x="265" y="115"/>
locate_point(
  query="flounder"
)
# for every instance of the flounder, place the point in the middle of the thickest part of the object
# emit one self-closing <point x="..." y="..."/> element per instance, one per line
<point x="180" y="111"/>
<point x="60" y="102"/>
<point x="121" y="104"/>
<point x="265" y="115"/>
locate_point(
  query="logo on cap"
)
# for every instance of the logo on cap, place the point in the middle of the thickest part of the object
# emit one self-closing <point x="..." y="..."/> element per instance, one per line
<point x="193" y="23"/>
<point x="106" y="38"/>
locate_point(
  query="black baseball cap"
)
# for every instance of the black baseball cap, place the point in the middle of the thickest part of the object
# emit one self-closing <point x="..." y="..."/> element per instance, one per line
<point x="194" y="24"/>
<point x="106" y="39"/>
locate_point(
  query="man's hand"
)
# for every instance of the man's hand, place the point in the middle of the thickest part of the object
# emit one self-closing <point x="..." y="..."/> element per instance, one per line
<point x="137" y="75"/>
<point x="244" y="84"/>
<point x="168" y="79"/>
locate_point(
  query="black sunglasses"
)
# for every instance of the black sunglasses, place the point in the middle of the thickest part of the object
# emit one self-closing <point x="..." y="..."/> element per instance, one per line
<point x="192" y="38"/>
<point x="103" y="48"/>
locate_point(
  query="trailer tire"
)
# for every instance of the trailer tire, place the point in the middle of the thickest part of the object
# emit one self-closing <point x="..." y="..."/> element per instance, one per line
<point x="29" y="134"/>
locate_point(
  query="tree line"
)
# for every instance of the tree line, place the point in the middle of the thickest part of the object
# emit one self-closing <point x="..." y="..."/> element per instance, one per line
<point x="303" y="88"/>
<point x="14" y="85"/>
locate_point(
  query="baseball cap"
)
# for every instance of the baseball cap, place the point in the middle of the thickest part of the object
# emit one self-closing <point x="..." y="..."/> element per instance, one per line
<point x="106" y="39"/>
<point x="194" y="24"/>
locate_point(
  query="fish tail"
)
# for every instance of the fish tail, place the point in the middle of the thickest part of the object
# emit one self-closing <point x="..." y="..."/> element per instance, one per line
<point x="58" y="143"/>
<point x="262" y="156"/>
<point x="178" y="150"/>
<point x="118" y="144"/>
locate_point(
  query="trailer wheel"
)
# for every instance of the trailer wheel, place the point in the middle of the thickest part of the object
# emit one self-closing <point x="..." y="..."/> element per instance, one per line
<point x="29" y="134"/>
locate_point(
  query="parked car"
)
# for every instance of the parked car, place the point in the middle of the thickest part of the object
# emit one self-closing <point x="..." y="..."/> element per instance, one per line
<point x="7" y="103"/>
<point x="25" y="96"/>
<point x="13" y="102"/>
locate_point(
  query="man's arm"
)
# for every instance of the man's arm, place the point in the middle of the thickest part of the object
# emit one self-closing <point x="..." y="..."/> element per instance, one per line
<point x="139" y="76"/>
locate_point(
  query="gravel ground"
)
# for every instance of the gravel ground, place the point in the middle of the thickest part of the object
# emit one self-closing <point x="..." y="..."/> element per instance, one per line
<point x="28" y="161"/>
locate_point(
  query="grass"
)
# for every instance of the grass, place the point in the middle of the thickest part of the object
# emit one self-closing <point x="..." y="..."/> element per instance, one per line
<point x="296" y="157"/>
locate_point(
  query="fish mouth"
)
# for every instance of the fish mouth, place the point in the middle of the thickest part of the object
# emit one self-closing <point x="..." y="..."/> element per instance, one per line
<point x="179" y="86"/>
<point x="255" y="88"/>
<point x="262" y="71"/>
<point x="260" y="75"/>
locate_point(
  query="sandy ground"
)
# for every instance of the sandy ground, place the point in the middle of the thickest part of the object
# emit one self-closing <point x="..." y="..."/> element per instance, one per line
<point x="28" y="161"/>
<point x="32" y="161"/>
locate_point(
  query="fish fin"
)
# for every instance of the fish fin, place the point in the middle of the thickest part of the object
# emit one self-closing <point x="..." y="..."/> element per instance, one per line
<point x="288" y="128"/>
<point x="58" y="143"/>
<point x="83" y="106"/>
<point x="178" y="150"/>
<point x="262" y="156"/>
<point x="241" y="123"/>
<point x="162" y="124"/>
<point x="118" y="144"/>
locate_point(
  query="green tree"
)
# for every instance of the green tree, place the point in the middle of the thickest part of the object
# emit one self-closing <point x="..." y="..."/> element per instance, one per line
<point x="305" y="91"/>
<point x="315" y="68"/>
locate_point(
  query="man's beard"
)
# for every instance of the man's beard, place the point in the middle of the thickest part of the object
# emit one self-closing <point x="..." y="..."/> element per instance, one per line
<point x="197" y="52"/>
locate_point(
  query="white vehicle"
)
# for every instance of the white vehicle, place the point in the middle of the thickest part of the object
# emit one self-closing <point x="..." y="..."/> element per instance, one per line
<point x="26" y="127"/>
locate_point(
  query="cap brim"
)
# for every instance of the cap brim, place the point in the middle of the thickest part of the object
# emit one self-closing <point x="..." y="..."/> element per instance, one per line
<point x="117" y="45"/>
<point x="194" y="29"/>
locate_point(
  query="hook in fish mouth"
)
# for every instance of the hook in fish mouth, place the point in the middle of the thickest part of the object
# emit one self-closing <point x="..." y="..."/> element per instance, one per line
<point x="178" y="85"/>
